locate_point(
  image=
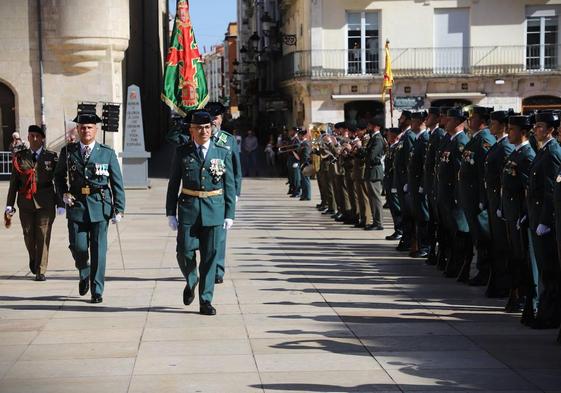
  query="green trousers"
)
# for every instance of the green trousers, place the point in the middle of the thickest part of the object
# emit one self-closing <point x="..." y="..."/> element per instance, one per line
<point x="208" y="241"/>
<point x="88" y="242"/>
<point x="221" y="255"/>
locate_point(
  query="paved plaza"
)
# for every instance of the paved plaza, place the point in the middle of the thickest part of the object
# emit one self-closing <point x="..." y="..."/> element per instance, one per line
<point x="308" y="305"/>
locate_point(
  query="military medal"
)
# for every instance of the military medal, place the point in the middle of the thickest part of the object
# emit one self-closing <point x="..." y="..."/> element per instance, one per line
<point x="558" y="179"/>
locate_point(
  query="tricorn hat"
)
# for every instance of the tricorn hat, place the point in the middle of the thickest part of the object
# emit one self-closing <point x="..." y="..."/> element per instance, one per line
<point x="200" y="117"/>
<point x="501" y="116"/>
<point x="394" y="130"/>
<point x="482" y="111"/>
<point x="215" y="108"/>
<point x="456" y="112"/>
<point x="434" y="110"/>
<point x="37" y="129"/>
<point x="551" y="118"/>
<point x="522" y="121"/>
<point x="419" y="115"/>
<point x="87" y="118"/>
<point x="444" y="110"/>
<point x="406" y="114"/>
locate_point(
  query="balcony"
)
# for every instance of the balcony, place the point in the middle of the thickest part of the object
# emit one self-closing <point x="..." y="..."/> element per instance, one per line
<point x="423" y="62"/>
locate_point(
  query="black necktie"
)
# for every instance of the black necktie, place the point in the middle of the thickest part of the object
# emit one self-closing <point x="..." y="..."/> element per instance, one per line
<point x="201" y="154"/>
<point x="35" y="156"/>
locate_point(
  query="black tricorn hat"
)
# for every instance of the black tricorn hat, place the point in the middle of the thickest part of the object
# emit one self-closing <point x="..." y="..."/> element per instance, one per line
<point x="394" y="130"/>
<point x="215" y="108"/>
<point x="434" y="110"/>
<point x="522" y="121"/>
<point x="419" y="115"/>
<point x="37" y="129"/>
<point x="200" y="117"/>
<point x="406" y="114"/>
<point x="87" y="118"/>
<point x="481" y="111"/>
<point x="458" y="113"/>
<point x="551" y="118"/>
<point x="501" y="116"/>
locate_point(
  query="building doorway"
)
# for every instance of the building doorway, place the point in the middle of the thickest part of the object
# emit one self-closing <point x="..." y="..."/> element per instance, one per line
<point x="7" y="116"/>
<point x="534" y="103"/>
<point x="363" y="110"/>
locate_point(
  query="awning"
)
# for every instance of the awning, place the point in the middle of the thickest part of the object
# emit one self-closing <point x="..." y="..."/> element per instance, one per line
<point x="464" y="94"/>
<point x="356" y="97"/>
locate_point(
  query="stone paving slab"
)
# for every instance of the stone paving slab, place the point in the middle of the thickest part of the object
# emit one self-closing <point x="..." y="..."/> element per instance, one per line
<point x="308" y="305"/>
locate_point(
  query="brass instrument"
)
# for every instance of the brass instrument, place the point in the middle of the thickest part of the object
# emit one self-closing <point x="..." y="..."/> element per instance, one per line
<point x="288" y="148"/>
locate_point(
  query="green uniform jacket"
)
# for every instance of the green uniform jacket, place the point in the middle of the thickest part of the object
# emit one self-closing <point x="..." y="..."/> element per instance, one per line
<point x="401" y="159"/>
<point x="45" y="197"/>
<point x="388" y="167"/>
<point x="447" y="191"/>
<point x="228" y="141"/>
<point x="494" y="165"/>
<point x="472" y="171"/>
<point x="374" y="158"/>
<point x="431" y="159"/>
<point x="101" y="173"/>
<point x="188" y="169"/>
<point x="514" y="183"/>
<point x="543" y="173"/>
<point x="415" y="177"/>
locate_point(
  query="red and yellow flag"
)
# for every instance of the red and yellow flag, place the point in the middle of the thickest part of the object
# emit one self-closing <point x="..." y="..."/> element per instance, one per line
<point x="185" y="85"/>
<point x="388" y="75"/>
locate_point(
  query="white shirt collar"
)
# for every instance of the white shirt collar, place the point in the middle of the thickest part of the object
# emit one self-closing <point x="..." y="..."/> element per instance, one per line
<point x="421" y="133"/>
<point x="476" y="133"/>
<point x="546" y="143"/>
<point x="518" y="147"/>
<point x="205" y="146"/>
<point x="455" y="135"/>
<point x="91" y="145"/>
<point x="375" y="132"/>
<point x="503" y="137"/>
<point x="38" y="151"/>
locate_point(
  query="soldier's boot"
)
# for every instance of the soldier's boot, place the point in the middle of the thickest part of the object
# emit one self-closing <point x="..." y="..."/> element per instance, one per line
<point x="528" y="316"/>
<point x="463" y="275"/>
<point x="442" y="257"/>
<point x="455" y="262"/>
<point x="548" y="315"/>
<point x="496" y="288"/>
<point x="515" y="303"/>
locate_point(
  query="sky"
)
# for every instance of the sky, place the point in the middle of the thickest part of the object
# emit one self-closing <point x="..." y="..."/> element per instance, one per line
<point x="210" y="19"/>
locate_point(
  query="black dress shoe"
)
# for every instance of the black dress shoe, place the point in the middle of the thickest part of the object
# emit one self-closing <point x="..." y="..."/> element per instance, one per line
<point x="40" y="277"/>
<point x="394" y="236"/>
<point x="189" y="293"/>
<point x="295" y="196"/>
<point x="305" y="199"/>
<point x="514" y="305"/>
<point x="84" y="286"/>
<point x="378" y="228"/>
<point x="207" y="309"/>
<point x="420" y="254"/>
<point x="319" y="206"/>
<point x="328" y="211"/>
<point x="97" y="299"/>
<point x="341" y="218"/>
<point x="402" y="247"/>
<point x="218" y="280"/>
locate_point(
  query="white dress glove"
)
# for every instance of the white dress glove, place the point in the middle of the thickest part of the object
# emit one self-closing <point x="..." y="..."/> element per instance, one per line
<point x="237" y="198"/>
<point x="9" y="210"/>
<point x="295" y="165"/>
<point x="68" y="199"/>
<point x="520" y="222"/>
<point x="542" y="230"/>
<point x="118" y="217"/>
<point x="172" y="223"/>
<point x="60" y="211"/>
<point x="499" y="213"/>
<point x="228" y="223"/>
<point x="393" y="190"/>
<point x="421" y="190"/>
<point x="481" y="207"/>
<point x="405" y="188"/>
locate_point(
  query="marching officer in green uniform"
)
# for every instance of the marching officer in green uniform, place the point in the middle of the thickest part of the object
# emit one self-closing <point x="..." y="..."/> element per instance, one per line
<point x="200" y="203"/>
<point x="436" y="133"/>
<point x="514" y="182"/>
<point x="374" y="173"/>
<point x="391" y="193"/>
<point x="415" y="175"/>
<point x="305" y="154"/>
<point x="32" y="182"/>
<point x="89" y="181"/>
<point x="473" y="198"/>
<point x="541" y="180"/>
<point x="227" y="140"/>
<point x="400" y="163"/>
<point x="458" y="245"/>
<point x="499" y="281"/>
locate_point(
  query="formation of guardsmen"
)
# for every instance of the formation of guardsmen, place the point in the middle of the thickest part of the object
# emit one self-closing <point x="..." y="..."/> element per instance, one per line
<point x="462" y="185"/>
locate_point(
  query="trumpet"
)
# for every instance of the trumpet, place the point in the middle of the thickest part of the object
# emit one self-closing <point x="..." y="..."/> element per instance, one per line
<point x="288" y="148"/>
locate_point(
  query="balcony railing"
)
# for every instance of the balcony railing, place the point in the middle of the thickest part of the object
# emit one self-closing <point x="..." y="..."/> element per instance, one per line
<point x="418" y="62"/>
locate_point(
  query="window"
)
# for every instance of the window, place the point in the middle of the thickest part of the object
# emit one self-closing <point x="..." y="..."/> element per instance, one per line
<point x="541" y="42"/>
<point x="362" y="43"/>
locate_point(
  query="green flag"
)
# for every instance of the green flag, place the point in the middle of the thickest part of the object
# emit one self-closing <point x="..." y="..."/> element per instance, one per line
<point x="185" y="86"/>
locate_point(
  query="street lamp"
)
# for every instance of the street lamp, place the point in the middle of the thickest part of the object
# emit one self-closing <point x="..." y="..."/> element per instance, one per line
<point x="254" y="41"/>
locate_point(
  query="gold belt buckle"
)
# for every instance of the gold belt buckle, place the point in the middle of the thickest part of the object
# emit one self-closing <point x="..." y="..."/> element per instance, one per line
<point x="86" y="190"/>
<point x="203" y="194"/>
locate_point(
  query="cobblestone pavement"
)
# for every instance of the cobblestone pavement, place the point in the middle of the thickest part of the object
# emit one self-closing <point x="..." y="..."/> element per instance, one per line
<point x="307" y="305"/>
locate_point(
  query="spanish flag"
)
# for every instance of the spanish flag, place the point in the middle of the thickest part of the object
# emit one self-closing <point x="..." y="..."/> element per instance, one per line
<point x="388" y="75"/>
